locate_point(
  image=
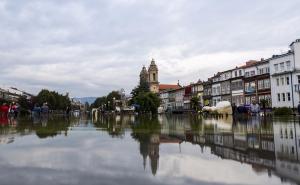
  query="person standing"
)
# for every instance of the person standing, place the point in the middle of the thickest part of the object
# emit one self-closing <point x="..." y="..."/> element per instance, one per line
<point x="234" y="109"/>
<point x="68" y="111"/>
<point x="4" y="110"/>
<point x="45" y="109"/>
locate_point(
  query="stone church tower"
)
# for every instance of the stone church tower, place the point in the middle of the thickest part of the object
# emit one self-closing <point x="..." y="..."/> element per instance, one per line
<point x="153" y="77"/>
<point x="144" y="75"/>
<point x="150" y="76"/>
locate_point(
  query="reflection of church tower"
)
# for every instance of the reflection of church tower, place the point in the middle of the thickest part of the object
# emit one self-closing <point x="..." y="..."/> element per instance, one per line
<point x="149" y="147"/>
<point x="144" y="152"/>
<point x="154" y="153"/>
<point x="153" y="77"/>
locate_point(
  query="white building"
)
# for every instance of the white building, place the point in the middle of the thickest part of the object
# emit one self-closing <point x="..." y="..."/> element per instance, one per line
<point x="179" y="95"/>
<point x="216" y="89"/>
<point x="295" y="46"/>
<point x="13" y="94"/>
<point x="285" y="77"/>
<point x="237" y="86"/>
<point x="164" y="96"/>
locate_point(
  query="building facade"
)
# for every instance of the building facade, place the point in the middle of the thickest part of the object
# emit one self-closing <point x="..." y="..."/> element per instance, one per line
<point x="274" y="81"/>
<point x="197" y="91"/>
<point x="285" y="77"/>
<point x="216" y="89"/>
<point x="237" y="86"/>
<point x="207" y="92"/>
<point x="226" y="86"/>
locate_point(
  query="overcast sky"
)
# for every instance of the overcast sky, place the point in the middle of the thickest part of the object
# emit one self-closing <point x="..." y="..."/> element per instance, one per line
<point x="90" y="47"/>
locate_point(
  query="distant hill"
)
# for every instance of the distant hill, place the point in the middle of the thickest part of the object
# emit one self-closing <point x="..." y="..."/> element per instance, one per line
<point x="90" y="100"/>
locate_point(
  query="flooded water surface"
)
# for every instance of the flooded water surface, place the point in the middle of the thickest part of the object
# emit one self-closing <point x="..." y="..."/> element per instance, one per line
<point x="171" y="149"/>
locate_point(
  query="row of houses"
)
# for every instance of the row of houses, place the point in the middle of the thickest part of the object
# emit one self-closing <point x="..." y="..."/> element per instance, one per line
<point x="275" y="80"/>
<point x="13" y="94"/>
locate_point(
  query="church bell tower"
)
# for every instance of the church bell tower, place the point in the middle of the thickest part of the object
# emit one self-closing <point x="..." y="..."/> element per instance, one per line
<point x="153" y="77"/>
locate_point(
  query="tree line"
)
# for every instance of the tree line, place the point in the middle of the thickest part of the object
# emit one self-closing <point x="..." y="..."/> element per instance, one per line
<point x="106" y="102"/>
<point x="54" y="100"/>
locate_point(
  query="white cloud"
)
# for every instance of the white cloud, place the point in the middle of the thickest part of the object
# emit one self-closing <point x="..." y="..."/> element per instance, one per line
<point x="92" y="47"/>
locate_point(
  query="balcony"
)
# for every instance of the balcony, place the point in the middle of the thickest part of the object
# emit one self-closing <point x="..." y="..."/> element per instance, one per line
<point x="297" y="87"/>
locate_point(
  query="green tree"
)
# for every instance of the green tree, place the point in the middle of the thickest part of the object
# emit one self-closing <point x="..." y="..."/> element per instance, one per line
<point x="46" y="96"/>
<point x="148" y="102"/>
<point x="111" y="97"/>
<point x="25" y="104"/>
<point x="108" y="100"/>
<point x="55" y="100"/>
<point x="195" y="103"/>
<point x="143" y="87"/>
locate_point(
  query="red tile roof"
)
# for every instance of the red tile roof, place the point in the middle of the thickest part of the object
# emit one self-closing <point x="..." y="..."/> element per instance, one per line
<point x="168" y="87"/>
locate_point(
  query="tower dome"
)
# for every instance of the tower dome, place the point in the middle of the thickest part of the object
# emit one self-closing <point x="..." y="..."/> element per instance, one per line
<point x="144" y="74"/>
<point x="153" y="66"/>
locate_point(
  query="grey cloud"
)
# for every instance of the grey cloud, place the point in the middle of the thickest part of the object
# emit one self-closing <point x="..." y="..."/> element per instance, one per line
<point x="101" y="45"/>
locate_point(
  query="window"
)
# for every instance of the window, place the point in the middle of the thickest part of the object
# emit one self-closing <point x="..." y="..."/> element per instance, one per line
<point x="260" y="84"/>
<point x="288" y="65"/>
<point x="276" y="67"/>
<point x="282" y="80"/>
<point x="248" y="100"/>
<point x="267" y="83"/>
<point x="154" y="77"/>
<point x="240" y="72"/>
<point x="277" y="80"/>
<point x="298" y="79"/>
<point x="218" y="90"/>
<point x="283" y="96"/>
<point x="278" y="97"/>
<point x="252" y="73"/>
<point x="250" y="87"/>
<point x="247" y="74"/>
<point x="287" y="80"/>
<point x="282" y="66"/>
<point x="267" y="70"/>
<point x="235" y="73"/>
<point x="289" y="96"/>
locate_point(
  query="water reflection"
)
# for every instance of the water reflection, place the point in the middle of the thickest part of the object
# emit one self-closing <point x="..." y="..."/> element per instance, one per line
<point x="269" y="146"/>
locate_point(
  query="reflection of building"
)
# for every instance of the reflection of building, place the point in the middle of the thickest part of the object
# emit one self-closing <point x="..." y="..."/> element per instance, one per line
<point x="287" y="144"/>
<point x="149" y="147"/>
